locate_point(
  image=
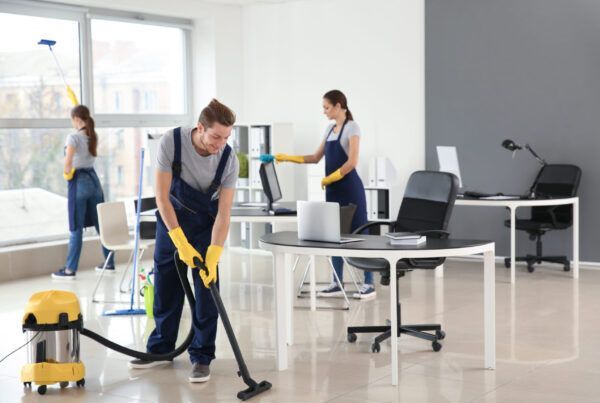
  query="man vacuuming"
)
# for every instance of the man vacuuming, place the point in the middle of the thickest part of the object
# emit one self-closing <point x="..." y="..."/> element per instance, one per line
<point x="195" y="184"/>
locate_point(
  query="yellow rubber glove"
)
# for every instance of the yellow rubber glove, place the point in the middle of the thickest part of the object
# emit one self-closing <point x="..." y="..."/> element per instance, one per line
<point x="298" y="159"/>
<point x="72" y="97"/>
<point x="69" y="175"/>
<point x="213" y="254"/>
<point x="329" y="179"/>
<point x="186" y="251"/>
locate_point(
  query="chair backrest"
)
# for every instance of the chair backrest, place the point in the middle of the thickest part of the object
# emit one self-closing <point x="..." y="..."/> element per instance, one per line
<point x="556" y="180"/>
<point x="346" y="217"/>
<point x="428" y="201"/>
<point x="147" y="228"/>
<point x="112" y="222"/>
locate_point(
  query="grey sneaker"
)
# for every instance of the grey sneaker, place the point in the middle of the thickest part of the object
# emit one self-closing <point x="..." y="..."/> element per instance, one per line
<point x="143" y="364"/>
<point x="200" y="373"/>
<point x="367" y="291"/>
<point x="332" y="290"/>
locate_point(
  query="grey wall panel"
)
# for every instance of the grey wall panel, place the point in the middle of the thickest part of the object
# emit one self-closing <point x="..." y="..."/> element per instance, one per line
<point x="528" y="70"/>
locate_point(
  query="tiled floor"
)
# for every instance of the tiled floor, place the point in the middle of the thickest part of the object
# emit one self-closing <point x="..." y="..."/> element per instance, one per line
<point x="548" y="333"/>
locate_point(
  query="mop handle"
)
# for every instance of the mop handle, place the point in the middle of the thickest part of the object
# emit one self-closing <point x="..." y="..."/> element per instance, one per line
<point x="137" y="226"/>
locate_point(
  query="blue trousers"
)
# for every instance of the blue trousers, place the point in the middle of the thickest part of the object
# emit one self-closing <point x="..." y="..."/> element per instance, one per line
<point x="88" y="196"/>
<point x="169" y="296"/>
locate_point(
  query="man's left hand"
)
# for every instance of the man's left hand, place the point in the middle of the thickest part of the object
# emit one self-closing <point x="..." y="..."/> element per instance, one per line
<point x="213" y="254"/>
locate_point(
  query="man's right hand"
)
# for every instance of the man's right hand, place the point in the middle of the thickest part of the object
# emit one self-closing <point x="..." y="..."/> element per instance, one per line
<point x="186" y="251"/>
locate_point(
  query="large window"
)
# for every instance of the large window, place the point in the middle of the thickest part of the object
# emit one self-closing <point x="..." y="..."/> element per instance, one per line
<point x="133" y="73"/>
<point x="30" y="83"/>
<point x="138" y="68"/>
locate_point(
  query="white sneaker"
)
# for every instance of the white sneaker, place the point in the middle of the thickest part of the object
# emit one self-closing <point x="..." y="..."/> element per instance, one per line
<point x="367" y="291"/>
<point x="333" y="290"/>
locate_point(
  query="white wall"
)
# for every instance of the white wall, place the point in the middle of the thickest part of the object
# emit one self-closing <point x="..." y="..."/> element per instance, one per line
<point x="371" y="50"/>
<point x="216" y="44"/>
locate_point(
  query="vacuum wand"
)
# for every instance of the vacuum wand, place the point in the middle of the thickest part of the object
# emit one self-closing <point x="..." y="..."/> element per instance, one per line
<point x="254" y="388"/>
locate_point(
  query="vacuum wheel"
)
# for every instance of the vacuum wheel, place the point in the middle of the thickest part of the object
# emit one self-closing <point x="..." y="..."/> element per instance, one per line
<point x="530" y="267"/>
<point x="27" y="384"/>
<point x="375" y="347"/>
<point x="351" y="337"/>
<point x="436" y="346"/>
<point x="81" y="383"/>
<point x="42" y="389"/>
<point x="64" y="384"/>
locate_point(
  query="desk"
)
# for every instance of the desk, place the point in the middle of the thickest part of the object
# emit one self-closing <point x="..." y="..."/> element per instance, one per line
<point x="284" y="244"/>
<point x="512" y="205"/>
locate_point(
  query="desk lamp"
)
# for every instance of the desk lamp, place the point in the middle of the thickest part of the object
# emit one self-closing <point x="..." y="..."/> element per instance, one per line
<point x="512" y="146"/>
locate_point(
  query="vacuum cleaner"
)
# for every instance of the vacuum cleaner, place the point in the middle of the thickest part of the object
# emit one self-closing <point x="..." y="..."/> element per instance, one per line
<point x="53" y="322"/>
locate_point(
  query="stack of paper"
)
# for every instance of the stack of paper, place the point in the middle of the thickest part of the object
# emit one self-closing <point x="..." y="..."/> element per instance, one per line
<point x="405" y="238"/>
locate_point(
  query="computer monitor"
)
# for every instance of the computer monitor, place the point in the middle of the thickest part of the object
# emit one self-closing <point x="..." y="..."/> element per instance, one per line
<point x="270" y="183"/>
<point x="448" y="160"/>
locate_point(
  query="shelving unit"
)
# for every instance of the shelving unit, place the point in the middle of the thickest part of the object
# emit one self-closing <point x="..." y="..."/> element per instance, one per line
<point x="250" y="141"/>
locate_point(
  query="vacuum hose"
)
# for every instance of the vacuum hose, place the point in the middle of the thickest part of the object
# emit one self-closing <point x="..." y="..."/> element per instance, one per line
<point x="182" y="273"/>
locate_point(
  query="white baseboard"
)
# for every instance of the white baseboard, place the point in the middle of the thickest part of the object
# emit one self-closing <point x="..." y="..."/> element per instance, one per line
<point x="500" y="259"/>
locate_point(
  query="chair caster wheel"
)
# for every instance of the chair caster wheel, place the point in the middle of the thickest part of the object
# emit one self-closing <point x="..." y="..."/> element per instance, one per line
<point x="81" y="383"/>
<point x="436" y="346"/>
<point x="351" y="337"/>
<point x="440" y="334"/>
<point x="567" y="267"/>
<point x="375" y="347"/>
<point x="530" y="268"/>
<point x="64" y="384"/>
<point x="42" y="389"/>
<point x="507" y="262"/>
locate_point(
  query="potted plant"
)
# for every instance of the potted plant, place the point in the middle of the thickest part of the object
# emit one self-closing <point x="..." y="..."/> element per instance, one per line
<point x="243" y="175"/>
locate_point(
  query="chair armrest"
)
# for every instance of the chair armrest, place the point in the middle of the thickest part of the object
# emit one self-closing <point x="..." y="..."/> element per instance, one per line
<point x="372" y="224"/>
<point x="441" y="233"/>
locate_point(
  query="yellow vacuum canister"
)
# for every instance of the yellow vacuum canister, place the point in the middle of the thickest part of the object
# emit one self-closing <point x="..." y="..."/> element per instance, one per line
<point x="51" y="323"/>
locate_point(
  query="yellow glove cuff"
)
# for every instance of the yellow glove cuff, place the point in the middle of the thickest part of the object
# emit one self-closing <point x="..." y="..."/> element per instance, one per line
<point x="213" y="254"/>
<point x="298" y="159"/>
<point x="178" y="237"/>
<point x="69" y="175"/>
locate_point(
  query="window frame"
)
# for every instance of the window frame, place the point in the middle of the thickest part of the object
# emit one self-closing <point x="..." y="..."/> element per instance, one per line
<point x="84" y="16"/>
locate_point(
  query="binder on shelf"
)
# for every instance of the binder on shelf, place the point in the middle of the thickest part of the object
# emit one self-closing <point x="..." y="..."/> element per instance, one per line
<point x="372" y="182"/>
<point x="382" y="179"/>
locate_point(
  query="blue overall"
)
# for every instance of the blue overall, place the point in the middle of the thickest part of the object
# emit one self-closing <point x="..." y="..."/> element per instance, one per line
<point x="83" y="195"/>
<point x="348" y="190"/>
<point x="196" y="214"/>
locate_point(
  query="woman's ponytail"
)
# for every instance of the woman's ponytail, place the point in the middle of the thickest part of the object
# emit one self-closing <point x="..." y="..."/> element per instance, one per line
<point x="83" y="113"/>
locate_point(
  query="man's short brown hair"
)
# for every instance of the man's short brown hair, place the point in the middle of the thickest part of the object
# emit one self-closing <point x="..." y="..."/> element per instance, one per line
<point x="216" y="112"/>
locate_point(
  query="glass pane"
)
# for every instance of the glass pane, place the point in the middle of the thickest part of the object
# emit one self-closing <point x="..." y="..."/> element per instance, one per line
<point x="138" y="68"/>
<point x="30" y="82"/>
<point x="118" y="164"/>
<point x="33" y="203"/>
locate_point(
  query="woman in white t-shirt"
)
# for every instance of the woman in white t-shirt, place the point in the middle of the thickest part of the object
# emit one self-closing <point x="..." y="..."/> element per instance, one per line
<point x="84" y="190"/>
<point x="340" y="147"/>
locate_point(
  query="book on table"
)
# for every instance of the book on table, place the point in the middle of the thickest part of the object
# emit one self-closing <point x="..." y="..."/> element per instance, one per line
<point x="405" y="238"/>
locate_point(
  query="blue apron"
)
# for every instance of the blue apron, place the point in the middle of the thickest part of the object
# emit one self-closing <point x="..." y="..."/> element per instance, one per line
<point x="196" y="214"/>
<point x="349" y="189"/>
<point x="91" y="218"/>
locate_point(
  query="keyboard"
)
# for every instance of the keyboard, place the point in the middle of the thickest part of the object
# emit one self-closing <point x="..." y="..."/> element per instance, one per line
<point x="283" y="211"/>
<point x="477" y="195"/>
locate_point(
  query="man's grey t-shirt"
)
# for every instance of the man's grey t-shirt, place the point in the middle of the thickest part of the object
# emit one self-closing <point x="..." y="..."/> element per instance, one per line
<point x="351" y="129"/>
<point x="196" y="170"/>
<point x="82" y="157"/>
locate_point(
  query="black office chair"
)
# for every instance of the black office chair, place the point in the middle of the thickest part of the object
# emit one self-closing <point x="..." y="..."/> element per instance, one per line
<point x="426" y="207"/>
<point x="553" y="181"/>
<point x="147" y="228"/>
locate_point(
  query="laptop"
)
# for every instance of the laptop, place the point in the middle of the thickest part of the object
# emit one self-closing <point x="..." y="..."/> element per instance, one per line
<point x="320" y="222"/>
